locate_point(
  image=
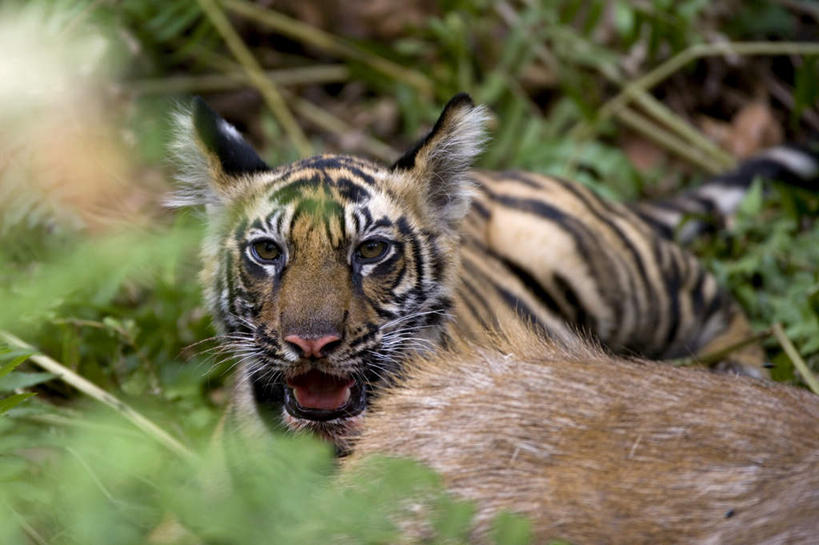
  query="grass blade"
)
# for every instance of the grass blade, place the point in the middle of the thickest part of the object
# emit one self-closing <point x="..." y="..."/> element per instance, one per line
<point x="90" y="389"/>
<point x="12" y="401"/>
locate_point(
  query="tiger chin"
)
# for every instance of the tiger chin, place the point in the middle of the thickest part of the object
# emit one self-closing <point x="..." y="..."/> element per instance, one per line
<point x="325" y="276"/>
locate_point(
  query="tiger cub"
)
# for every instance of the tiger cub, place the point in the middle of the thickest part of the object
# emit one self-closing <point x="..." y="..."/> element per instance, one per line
<point x="325" y="275"/>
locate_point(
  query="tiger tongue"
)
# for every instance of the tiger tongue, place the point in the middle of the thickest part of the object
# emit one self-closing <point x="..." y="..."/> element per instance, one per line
<point x="317" y="390"/>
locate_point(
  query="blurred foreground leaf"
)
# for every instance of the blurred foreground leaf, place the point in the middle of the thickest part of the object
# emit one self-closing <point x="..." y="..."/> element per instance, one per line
<point x="99" y="487"/>
<point x="12" y="401"/>
<point x="94" y="268"/>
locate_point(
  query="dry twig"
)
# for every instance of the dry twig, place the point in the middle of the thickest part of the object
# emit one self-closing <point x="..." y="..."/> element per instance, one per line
<point x="210" y="83"/>
<point x="666" y="69"/>
<point x="795" y="358"/>
<point x="309" y="111"/>
<point x="257" y="76"/>
<point x="683" y="139"/>
<point x="719" y="355"/>
<point x="308" y="34"/>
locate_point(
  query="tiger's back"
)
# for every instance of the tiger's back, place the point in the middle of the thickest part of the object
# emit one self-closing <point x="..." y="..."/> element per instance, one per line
<point x="560" y="254"/>
<point x="324" y="276"/>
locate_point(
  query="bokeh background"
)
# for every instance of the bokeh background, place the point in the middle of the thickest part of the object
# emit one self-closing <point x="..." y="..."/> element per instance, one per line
<point x="634" y="98"/>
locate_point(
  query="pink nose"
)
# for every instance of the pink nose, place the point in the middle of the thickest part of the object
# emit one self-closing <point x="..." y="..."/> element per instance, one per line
<point x="312" y="348"/>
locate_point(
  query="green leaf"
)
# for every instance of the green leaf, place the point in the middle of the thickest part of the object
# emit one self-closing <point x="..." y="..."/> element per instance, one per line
<point x="752" y="203"/>
<point x="23" y="380"/>
<point x="624" y="19"/>
<point x="595" y="11"/>
<point x="454" y="520"/>
<point x="511" y="529"/>
<point x="12" y="401"/>
<point x="12" y="467"/>
<point x="10" y="366"/>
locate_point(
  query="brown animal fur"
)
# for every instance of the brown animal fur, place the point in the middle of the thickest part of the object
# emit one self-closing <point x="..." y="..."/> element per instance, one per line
<point x="595" y="449"/>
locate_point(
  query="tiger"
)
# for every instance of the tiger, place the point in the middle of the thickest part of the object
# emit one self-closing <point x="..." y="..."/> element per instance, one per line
<point x="591" y="448"/>
<point x="324" y="276"/>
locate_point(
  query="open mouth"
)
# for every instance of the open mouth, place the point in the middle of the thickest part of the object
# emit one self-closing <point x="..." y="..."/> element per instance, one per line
<point x="319" y="396"/>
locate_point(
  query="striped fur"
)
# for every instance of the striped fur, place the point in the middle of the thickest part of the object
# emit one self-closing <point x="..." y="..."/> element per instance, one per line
<point x="466" y="252"/>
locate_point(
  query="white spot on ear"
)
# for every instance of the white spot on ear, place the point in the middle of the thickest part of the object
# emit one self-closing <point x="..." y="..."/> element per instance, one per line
<point x="794" y="160"/>
<point x="230" y="130"/>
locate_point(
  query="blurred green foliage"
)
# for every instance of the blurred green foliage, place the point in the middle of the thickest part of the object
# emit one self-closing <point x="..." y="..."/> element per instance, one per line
<point x="103" y="484"/>
<point x="123" y="309"/>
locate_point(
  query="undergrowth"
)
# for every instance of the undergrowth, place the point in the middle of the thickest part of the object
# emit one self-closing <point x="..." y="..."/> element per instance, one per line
<point x="120" y="305"/>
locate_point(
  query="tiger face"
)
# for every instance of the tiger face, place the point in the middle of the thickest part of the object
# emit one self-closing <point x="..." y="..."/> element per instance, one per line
<point x="324" y="275"/>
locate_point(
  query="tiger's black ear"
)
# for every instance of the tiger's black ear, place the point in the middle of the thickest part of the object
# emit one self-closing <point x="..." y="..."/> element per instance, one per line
<point x="220" y="138"/>
<point x="438" y="164"/>
<point x="212" y="157"/>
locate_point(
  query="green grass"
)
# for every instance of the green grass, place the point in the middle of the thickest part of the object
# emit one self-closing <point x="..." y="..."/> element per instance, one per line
<point x="122" y="308"/>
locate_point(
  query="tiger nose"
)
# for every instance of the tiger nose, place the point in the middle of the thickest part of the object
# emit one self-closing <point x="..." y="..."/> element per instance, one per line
<point x="314" y="348"/>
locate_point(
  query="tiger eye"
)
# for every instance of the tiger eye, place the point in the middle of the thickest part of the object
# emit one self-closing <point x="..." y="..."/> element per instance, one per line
<point x="372" y="249"/>
<point x="266" y="250"/>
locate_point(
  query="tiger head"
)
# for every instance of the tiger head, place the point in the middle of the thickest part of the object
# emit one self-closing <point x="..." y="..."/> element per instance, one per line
<point x="325" y="274"/>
